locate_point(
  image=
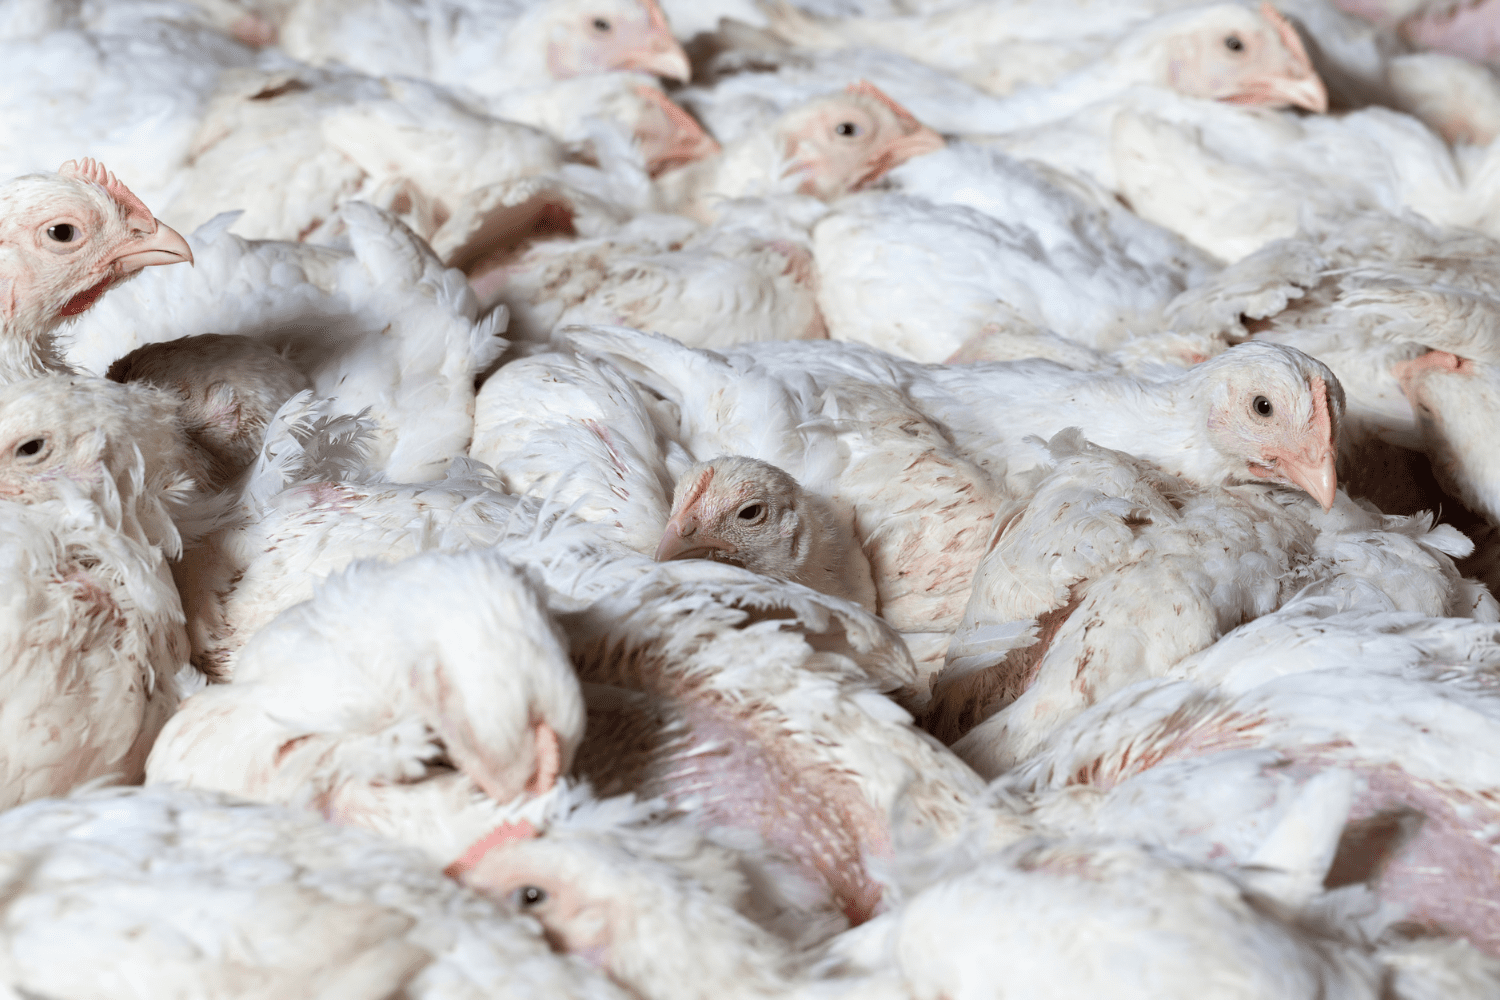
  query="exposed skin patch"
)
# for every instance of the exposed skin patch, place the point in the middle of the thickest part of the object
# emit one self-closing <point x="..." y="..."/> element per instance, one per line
<point x="731" y="766"/>
<point x="958" y="707"/>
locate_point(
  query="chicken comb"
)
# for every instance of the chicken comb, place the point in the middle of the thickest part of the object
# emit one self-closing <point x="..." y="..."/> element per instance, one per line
<point x="675" y="113"/>
<point x="656" y="16"/>
<point x="1288" y="35"/>
<point x="92" y="171"/>
<point x="502" y="834"/>
<point x="864" y="88"/>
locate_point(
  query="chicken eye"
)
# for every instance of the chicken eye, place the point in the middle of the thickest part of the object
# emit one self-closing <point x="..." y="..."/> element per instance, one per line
<point x="62" y="233"/>
<point x="846" y="129"/>
<point x="600" y="24"/>
<point x="751" y="512"/>
<point x="1262" y="406"/>
<point x="1233" y="43"/>
<point x="529" y="895"/>
<point x="31" y="448"/>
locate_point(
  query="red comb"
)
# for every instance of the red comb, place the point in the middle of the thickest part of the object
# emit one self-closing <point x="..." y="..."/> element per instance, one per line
<point x="93" y="172"/>
<point x="502" y="834"/>
<point x="865" y="88"/>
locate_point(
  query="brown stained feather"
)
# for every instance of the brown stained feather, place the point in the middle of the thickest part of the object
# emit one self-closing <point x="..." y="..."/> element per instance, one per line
<point x="733" y="765"/>
<point x="961" y="705"/>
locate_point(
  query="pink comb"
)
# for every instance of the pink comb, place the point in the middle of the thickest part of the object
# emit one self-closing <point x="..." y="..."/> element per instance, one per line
<point x="657" y="17"/>
<point x="865" y="88"/>
<point x="502" y="834"/>
<point x="1288" y="35"/>
<point x="92" y="172"/>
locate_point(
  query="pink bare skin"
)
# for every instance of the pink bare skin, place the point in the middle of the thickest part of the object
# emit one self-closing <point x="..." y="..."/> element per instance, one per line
<point x="65" y="239"/>
<point x="847" y="141"/>
<point x="668" y="136"/>
<point x="1471" y="30"/>
<point x="1262" y="63"/>
<point x="608" y="35"/>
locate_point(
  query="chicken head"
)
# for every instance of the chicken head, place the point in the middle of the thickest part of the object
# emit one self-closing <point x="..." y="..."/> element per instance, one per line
<point x="65" y="238"/>
<point x="84" y="430"/>
<point x="616" y="896"/>
<point x="1274" y="414"/>
<point x="1242" y="56"/>
<point x="599" y="36"/>
<point x="844" y="142"/>
<point x="1454" y="400"/>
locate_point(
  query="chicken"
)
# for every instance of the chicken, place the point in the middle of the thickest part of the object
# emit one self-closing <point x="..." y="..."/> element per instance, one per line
<point x="381" y="711"/>
<point x="310" y="508"/>
<point x="93" y="641"/>
<point x="967" y="253"/>
<point x="826" y="148"/>
<point x="1366" y="296"/>
<point x="123" y="447"/>
<point x="1394" y="704"/>
<point x="485" y="48"/>
<point x="184" y="893"/>
<point x="230" y="388"/>
<point x="617" y="894"/>
<point x="1255" y="413"/>
<point x="288" y="147"/>
<point x="912" y="508"/>
<point x="379" y="325"/>
<point x="750" y="513"/>
<point x="1123" y="572"/>
<point x="749" y="276"/>
<point x="65" y="240"/>
<point x="1217" y="51"/>
<point x="1097" y="916"/>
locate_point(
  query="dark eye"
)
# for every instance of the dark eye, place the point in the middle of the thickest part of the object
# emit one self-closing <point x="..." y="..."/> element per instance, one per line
<point x="1262" y="406"/>
<point x="29" y="448"/>
<point x="600" y="24"/>
<point x="846" y="129"/>
<point x="62" y="232"/>
<point x="1233" y="43"/>
<point x="529" y="896"/>
<point x="750" y="513"/>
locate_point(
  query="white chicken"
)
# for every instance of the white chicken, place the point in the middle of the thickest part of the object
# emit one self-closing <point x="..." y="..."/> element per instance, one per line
<point x="65" y="240"/>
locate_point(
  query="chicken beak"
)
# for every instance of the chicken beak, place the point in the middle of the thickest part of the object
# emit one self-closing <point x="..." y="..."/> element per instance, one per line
<point x="165" y="246"/>
<point x="667" y="61"/>
<point x="681" y="541"/>
<point x="1313" y="473"/>
<point x="1299" y="92"/>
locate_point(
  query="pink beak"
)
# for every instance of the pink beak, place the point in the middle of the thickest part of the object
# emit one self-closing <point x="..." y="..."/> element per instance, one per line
<point x="680" y="540"/>
<point x="164" y="246"/>
<point x="1312" y="470"/>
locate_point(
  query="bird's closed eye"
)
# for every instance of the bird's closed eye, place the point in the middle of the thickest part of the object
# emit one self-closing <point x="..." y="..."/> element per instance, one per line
<point x="529" y="896"/>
